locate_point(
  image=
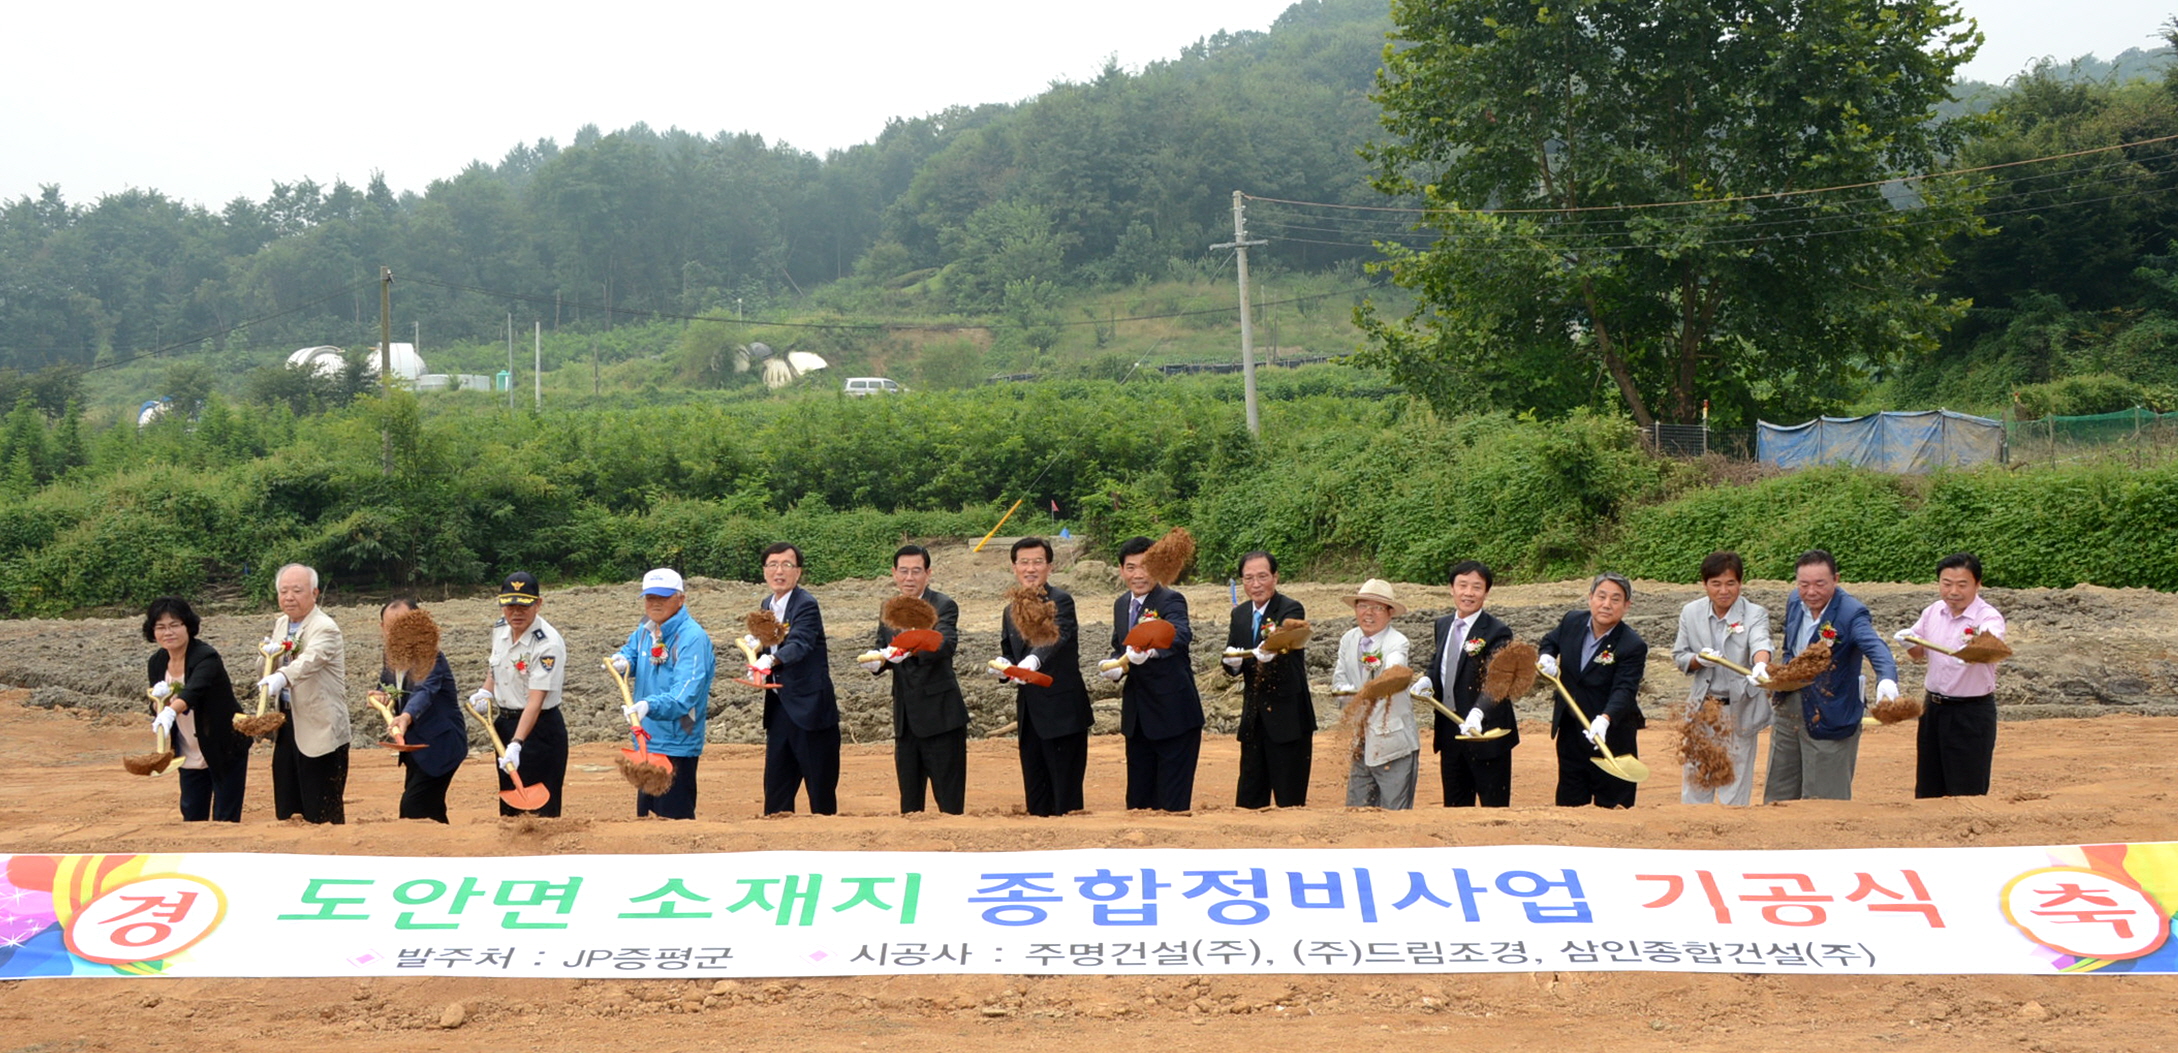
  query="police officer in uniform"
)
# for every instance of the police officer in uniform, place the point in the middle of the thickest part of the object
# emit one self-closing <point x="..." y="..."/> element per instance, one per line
<point x="522" y="694"/>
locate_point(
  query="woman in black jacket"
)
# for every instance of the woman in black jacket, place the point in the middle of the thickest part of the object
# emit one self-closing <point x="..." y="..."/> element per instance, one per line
<point x="215" y="759"/>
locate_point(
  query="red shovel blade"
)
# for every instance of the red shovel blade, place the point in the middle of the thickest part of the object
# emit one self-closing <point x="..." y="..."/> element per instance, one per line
<point x="526" y="798"/>
<point x="919" y="640"/>
<point x="641" y="754"/>
<point x="401" y="745"/>
<point x="1152" y="634"/>
<point x="756" y="684"/>
<point x="1029" y="676"/>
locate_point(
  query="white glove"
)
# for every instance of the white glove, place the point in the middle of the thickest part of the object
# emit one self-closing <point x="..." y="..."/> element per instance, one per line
<point x="1886" y="690"/>
<point x="1264" y="656"/>
<point x="1473" y="724"/>
<point x="1597" y="728"/>
<point x="164" y="722"/>
<point x="620" y="663"/>
<point x="764" y="663"/>
<point x="896" y="655"/>
<point x="1422" y="688"/>
<point x="1114" y="674"/>
<point x="752" y="642"/>
<point x="1901" y="634"/>
<point x="1032" y="663"/>
<point x="1710" y="655"/>
<point x="274" y="684"/>
<point x="636" y="712"/>
<point x="511" y="759"/>
<point x="998" y="666"/>
<point x="163" y="690"/>
<point x="1135" y="657"/>
<point x="874" y="665"/>
<point x="480" y="702"/>
<point x="1547" y="665"/>
<point x="1759" y="675"/>
<point x="1341" y="689"/>
<point x="1232" y="661"/>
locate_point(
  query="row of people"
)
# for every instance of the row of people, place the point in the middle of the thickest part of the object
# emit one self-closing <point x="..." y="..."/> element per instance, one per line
<point x="669" y="664"/>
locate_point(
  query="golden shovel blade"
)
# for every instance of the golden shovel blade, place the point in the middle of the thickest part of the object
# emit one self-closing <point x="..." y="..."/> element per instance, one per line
<point x="1487" y="735"/>
<point x="1620" y="766"/>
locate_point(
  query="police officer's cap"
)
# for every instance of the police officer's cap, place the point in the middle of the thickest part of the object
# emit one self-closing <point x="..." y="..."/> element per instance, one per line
<point x="519" y="590"/>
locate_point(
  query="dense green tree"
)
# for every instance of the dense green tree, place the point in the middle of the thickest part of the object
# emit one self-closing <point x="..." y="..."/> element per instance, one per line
<point x="1617" y="195"/>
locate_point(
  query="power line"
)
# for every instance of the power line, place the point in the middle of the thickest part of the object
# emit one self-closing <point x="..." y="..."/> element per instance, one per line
<point x="880" y="326"/>
<point x="1732" y="198"/>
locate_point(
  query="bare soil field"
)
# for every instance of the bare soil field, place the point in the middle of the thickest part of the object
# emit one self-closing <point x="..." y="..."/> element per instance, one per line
<point x="2084" y="756"/>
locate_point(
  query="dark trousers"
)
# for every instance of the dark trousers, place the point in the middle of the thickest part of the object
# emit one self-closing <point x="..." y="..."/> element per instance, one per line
<point x="1273" y="770"/>
<point x="311" y="787"/>
<point x="1581" y="782"/>
<point x="1471" y="778"/>
<point x="215" y="793"/>
<point x="1954" y="747"/>
<point x="1161" y="772"/>
<point x="1052" y="770"/>
<point x="424" y="796"/>
<point x="679" y="801"/>
<point x="544" y="757"/>
<point x="940" y="760"/>
<point x="795" y="757"/>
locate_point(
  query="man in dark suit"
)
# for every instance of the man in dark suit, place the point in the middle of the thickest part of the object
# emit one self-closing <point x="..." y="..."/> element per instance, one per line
<point x="929" y="717"/>
<point x="1054" y="721"/>
<point x="801" y="715"/>
<point x="1815" y="732"/>
<point x="1160" y="712"/>
<point x="1600" y="660"/>
<point x="1480" y="771"/>
<point x="1277" y="715"/>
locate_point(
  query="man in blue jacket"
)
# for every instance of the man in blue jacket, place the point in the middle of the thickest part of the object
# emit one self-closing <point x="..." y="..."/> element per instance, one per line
<point x="669" y="657"/>
<point x="801" y="715"/>
<point x="1815" y="732"/>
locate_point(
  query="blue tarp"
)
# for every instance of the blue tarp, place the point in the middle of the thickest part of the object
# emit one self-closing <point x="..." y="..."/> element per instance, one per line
<point x="1912" y="443"/>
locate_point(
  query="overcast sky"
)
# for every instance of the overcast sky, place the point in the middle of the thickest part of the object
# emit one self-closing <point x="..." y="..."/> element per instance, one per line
<point x="208" y="101"/>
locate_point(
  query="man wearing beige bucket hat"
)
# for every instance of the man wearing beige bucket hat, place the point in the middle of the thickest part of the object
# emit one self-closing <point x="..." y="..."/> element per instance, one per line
<point x="1371" y="674"/>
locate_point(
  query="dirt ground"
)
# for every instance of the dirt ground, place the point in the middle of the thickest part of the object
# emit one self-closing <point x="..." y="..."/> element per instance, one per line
<point x="2096" y="666"/>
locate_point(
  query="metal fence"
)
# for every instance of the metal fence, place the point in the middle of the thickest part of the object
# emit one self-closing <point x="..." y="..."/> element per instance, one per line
<point x="2139" y="436"/>
<point x="1697" y="440"/>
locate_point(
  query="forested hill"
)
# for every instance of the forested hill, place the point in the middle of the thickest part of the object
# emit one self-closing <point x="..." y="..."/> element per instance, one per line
<point x="1097" y="181"/>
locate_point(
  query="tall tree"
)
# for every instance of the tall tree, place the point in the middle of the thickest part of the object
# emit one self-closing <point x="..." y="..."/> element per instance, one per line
<point x="1627" y="204"/>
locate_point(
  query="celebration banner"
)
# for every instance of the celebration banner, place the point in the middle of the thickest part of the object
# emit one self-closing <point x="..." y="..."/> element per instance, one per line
<point x="2065" y="909"/>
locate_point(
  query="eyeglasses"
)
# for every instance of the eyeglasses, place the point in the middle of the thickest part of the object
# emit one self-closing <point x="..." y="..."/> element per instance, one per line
<point x="781" y="566"/>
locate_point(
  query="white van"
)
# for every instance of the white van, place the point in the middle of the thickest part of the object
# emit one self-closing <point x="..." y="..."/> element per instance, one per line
<point x="860" y="386"/>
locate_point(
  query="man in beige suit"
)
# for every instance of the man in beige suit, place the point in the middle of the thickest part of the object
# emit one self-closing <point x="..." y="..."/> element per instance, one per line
<point x="310" y="756"/>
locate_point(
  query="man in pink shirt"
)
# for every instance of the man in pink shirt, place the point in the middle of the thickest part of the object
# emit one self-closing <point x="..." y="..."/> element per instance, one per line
<point x="1958" y="732"/>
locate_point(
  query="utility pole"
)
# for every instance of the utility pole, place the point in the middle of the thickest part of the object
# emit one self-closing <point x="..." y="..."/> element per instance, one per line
<point x="538" y="372"/>
<point x="510" y="362"/>
<point x="385" y="361"/>
<point x="1239" y="245"/>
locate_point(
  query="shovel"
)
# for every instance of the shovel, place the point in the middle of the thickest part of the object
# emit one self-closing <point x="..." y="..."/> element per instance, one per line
<point x="1975" y="650"/>
<point x="155" y="762"/>
<point x="1713" y="658"/>
<point x="750" y="653"/>
<point x="641" y="753"/>
<point x="1628" y="768"/>
<point x="918" y="641"/>
<point x="1485" y="736"/>
<point x="522" y="798"/>
<point x="262" y="724"/>
<point x="399" y="742"/>
<point x="1025" y="675"/>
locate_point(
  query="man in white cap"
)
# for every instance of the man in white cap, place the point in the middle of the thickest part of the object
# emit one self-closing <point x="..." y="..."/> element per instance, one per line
<point x="521" y="694"/>
<point x="669" y="660"/>
<point x="1383" y="772"/>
